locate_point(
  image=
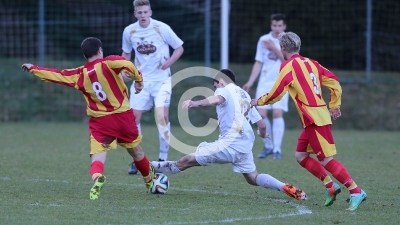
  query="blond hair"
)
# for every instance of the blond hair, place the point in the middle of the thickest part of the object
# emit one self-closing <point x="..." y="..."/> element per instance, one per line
<point x="137" y="3"/>
<point x="290" y="41"/>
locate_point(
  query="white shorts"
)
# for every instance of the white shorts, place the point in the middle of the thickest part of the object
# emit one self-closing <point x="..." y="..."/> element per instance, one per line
<point x="208" y="154"/>
<point x="282" y="104"/>
<point x="156" y="93"/>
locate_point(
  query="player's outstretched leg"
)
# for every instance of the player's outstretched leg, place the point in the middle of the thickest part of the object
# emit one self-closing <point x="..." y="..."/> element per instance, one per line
<point x="294" y="192"/>
<point x="173" y="167"/>
<point x="270" y="182"/>
<point x="166" y="167"/>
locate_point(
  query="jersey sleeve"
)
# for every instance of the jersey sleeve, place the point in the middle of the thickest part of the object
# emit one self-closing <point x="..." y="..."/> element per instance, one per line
<point x="67" y="77"/>
<point x="223" y="93"/>
<point x="259" y="56"/>
<point x="331" y="81"/>
<point x="126" y="41"/>
<point x="254" y="116"/>
<point x="118" y="64"/>
<point x="285" y="78"/>
<point x="171" y="38"/>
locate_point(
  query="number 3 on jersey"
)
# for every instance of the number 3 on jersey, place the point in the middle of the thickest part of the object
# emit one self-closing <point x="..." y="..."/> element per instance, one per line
<point x="98" y="89"/>
<point x="315" y="83"/>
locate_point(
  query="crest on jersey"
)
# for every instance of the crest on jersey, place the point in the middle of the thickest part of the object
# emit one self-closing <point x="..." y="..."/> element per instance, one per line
<point x="145" y="48"/>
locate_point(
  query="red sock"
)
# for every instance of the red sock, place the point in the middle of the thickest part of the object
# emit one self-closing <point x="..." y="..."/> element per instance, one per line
<point x="96" y="169"/>
<point x="316" y="169"/>
<point x="339" y="172"/>
<point x="143" y="166"/>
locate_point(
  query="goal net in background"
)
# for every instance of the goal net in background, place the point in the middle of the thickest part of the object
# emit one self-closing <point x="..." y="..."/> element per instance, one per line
<point x="49" y="33"/>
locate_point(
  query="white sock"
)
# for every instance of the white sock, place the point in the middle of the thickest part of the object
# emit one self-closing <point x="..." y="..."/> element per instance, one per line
<point x="166" y="167"/>
<point x="268" y="142"/>
<point x="139" y="127"/>
<point x="268" y="181"/>
<point x="278" y="129"/>
<point x="164" y="137"/>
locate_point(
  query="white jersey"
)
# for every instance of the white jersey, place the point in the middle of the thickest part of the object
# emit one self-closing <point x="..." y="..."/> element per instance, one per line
<point x="271" y="62"/>
<point x="234" y="116"/>
<point x="151" y="45"/>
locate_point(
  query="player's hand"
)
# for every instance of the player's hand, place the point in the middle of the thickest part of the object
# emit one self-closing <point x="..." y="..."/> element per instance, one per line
<point x="138" y="87"/>
<point x="125" y="77"/>
<point x="253" y="102"/>
<point x="266" y="135"/>
<point x="188" y="104"/>
<point x="269" y="44"/>
<point x="247" y="86"/>
<point x="26" y="66"/>
<point x="167" y="63"/>
<point x="335" y="113"/>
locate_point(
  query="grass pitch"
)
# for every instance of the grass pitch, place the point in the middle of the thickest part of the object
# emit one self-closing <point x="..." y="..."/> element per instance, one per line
<point x="44" y="179"/>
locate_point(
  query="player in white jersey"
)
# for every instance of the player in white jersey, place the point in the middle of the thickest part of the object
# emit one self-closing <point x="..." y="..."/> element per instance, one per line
<point x="150" y="39"/>
<point x="268" y="61"/>
<point x="236" y="138"/>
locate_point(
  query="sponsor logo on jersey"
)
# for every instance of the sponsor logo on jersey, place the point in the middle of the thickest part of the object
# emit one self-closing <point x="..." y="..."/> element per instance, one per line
<point x="145" y="48"/>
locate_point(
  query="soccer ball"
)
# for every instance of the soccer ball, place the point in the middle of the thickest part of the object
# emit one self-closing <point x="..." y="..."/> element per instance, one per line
<point x="161" y="184"/>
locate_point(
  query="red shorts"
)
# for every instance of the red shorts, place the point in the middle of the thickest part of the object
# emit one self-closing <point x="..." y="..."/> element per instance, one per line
<point x="318" y="140"/>
<point x="105" y="130"/>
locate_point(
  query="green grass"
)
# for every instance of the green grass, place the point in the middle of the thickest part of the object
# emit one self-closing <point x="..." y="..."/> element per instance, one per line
<point x="44" y="179"/>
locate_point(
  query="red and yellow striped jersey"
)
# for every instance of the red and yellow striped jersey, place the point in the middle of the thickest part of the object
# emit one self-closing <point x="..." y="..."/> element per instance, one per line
<point x="302" y="78"/>
<point x="99" y="81"/>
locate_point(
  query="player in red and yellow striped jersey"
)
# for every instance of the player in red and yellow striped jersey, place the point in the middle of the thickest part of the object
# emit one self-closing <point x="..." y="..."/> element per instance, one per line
<point x="111" y="119"/>
<point x="302" y="78"/>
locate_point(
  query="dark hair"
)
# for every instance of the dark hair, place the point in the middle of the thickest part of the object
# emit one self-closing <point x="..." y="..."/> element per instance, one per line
<point x="227" y="75"/>
<point x="90" y="47"/>
<point x="278" y="17"/>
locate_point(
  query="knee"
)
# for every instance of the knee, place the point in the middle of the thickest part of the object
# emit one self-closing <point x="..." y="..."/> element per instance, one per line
<point x="325" y="161"/>
<point x="300" y="156"/>
<point x="251" y="179"/>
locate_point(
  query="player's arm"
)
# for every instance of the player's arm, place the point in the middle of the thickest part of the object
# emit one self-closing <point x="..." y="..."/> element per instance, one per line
<point x="255" y="71"/>
<point x="279" y="89"/>
<point x="118" y="64"/>
<point x="255" y="117"/>
<point x="126" y="45"/>
<point x="213" y="100"/>
<point x="262" y="129"/>
<point x="331" y="81"/>
<point x="272" y="47"/>
<point x="67" y="77"/>
<point x="126" y="55"/>
<point x="174" y="57"/>
<point x="175" y="42"/>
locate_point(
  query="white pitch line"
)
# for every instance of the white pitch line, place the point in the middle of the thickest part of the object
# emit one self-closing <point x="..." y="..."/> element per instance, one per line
<point x="301" y="210"/>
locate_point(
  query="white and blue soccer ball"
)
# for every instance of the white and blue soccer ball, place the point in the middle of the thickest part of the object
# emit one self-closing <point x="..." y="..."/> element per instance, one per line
<point x="161" y="184"/>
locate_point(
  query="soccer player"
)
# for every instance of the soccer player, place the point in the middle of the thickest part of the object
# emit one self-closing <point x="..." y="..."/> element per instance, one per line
<point x="150" y="39"/>
<point x="236" y="137"/>
<point x="111" y="119"/>
<point x="302" y="78"/>
<point x="268" y="61"/>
